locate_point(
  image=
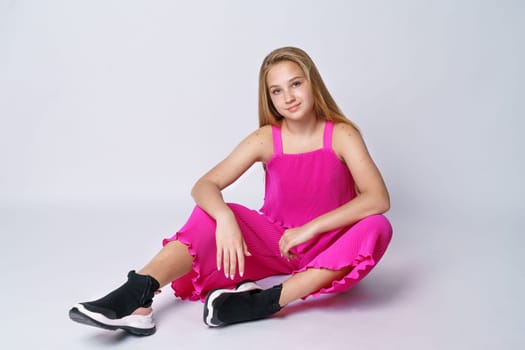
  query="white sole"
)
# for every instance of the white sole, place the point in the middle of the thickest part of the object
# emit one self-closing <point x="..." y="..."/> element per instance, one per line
<point x="134" y="324"/>
<point x="208" y="305"/>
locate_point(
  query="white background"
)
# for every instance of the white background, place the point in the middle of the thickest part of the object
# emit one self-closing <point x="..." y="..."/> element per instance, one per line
<point x="110" y="110"/>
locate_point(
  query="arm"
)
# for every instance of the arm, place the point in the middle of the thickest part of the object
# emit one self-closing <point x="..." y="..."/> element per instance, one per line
<point x="372" y="198"/>
<point x="207" y="195"/>
<point x="373" y="195"/>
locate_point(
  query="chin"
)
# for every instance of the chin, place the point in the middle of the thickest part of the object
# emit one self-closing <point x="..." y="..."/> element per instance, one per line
<point x="297" y="116"/>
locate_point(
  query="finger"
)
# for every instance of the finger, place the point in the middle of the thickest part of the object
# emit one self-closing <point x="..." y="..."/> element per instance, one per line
<point x="226" y="262"/>
<point x="219" y="258"/>
<point x="285" y="249"/>
<point x="283" y="252"/>
<point x="240" y="261"/>
<point x="245" y="249"/>
<point x="281" y="246"/>
<point x="233" y="264"/>
<point x="290" y="255"/>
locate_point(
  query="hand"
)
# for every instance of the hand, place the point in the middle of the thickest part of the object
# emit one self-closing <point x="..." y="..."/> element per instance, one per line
<point x="293" y="237"/>
<point x="231" y="247"/>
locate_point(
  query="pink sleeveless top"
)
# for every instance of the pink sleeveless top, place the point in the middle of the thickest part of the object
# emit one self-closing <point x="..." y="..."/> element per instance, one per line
<point x="300" y="187"/>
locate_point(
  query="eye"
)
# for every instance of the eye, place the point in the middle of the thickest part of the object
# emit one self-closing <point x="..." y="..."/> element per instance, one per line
<point x="275" y="91"/>
<point x="296" y="83"/>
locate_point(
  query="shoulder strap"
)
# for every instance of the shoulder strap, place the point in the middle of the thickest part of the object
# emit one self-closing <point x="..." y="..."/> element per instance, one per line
<point x="328" y="131"/>
<point x="277" y="140"/>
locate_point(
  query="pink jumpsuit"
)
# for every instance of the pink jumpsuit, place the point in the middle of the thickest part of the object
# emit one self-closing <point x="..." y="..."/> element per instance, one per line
<point x="299" y="187"/>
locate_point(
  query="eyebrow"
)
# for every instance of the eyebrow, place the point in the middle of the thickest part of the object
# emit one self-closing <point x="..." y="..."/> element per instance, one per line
<point x="290" y="80"/>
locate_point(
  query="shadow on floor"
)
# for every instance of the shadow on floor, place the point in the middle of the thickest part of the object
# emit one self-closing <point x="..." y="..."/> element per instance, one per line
<point x="374" y="291"/>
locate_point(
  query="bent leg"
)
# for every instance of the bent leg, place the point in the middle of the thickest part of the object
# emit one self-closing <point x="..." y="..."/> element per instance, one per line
<point x="309" y="281"/>
<point x="332" y="264"/>
<point x="351" y="257"/>
<point x="360" y="248"/>
<point x="170" y="263"/>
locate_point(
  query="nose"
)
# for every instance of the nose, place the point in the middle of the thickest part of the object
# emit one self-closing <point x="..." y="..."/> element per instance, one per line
<point x="288" y="96"/>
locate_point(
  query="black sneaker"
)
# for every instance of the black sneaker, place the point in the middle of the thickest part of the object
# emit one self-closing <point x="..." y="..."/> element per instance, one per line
<point x="114" y="311"/>
<point x="247" y="302"/>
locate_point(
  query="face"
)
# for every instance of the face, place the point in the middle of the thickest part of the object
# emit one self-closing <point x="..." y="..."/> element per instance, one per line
<point x="290" y="91"/>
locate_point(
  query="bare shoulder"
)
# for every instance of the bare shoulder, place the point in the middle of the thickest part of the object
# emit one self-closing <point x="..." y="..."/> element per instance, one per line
<point x="261" y="141"/>
<point x="347" y="139"/>
<point x="344" y="130"/>
<point x="260" y="137"/>
<point x="263" y="134"/>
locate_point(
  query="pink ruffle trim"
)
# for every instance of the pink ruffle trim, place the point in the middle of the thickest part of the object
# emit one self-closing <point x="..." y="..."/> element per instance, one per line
<point x="197" y="289"/>
<point x="362" y="264"/>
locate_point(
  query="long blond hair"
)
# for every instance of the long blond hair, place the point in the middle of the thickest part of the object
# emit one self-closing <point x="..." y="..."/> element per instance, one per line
<point x="324" y="105"/>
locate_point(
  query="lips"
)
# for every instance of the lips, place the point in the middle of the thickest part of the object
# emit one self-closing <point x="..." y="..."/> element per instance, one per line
<point x="293" y="108"/>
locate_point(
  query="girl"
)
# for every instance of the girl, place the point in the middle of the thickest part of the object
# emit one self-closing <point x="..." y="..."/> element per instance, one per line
<point x="320" y="223"/>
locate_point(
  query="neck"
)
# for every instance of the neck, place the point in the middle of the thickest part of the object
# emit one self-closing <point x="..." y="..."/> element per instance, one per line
<point x="303" y="127"/>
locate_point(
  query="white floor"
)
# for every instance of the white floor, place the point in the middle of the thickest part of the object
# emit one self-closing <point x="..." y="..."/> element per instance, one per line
<point x="438" y="287"/>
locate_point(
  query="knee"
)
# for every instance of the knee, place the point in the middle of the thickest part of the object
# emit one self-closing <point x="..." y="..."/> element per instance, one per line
<point x="379" y="222"/>
<point x="200" y="221"/>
